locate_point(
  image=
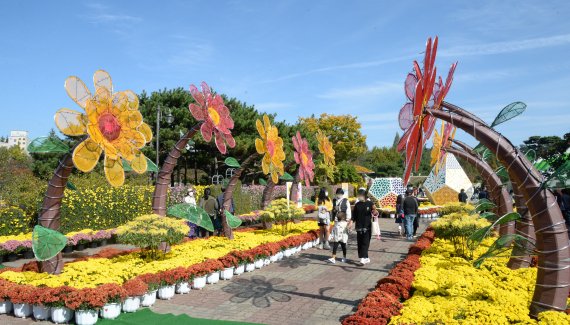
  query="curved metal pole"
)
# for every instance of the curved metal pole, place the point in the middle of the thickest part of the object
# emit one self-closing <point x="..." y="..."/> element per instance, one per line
<point x="553" y="276"/>
<point x="502" y="197"/>
<point x="520" y="256"/>
<point x="160" y="196"/>
<point x="229" y="192"/>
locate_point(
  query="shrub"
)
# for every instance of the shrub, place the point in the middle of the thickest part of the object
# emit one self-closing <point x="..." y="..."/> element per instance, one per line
<point x="457" y="228"/>
<point x="13" y="221"/>
<point x="456" y="207"/>
<point x="278" y="212"/>
<point x="148" y="231"/>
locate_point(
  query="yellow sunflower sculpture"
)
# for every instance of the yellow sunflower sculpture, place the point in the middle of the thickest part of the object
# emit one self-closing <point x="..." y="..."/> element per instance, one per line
<point x="325" y="147"/>
<point x="271" y="147"/>
<point x="112" y="124"/>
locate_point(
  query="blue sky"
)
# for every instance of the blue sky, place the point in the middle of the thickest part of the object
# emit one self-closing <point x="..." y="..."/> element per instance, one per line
<point x="293" y="58"/>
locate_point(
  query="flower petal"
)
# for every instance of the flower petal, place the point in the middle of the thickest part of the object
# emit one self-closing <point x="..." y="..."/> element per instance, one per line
<point x="207" y="129"/>
<point x="146" y="131"/>
<point x="77" y="90"/>
<point x="70" y="122"/>
<point x="133" y="100"/>
<point x="265" y="164"/>
<point x="114" y="171"/>
<point x="230" y="140"/>
<point x="275" y="177"/>
<point x="139" y="163"/>
<point x="130" y="119"/>
<point x="102" y="79"/>
<point x="266" y="123"/>
<point x="197" y="112"/>
<point x="259" y="146"/>
<point x="86" y="155"/>
<point x="197" y="95"/>
<point x="260" y="129"/>
<point x="220" y="142"/>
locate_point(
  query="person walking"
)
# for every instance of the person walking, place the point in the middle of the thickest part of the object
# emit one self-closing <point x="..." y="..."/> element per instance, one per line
<point x="339" y="233"/>
<point x="410" y="206"/>
<point x="190" y="199"/>
<point x="325" y="208"/>
<point x="400" y="215"/>
<point x="362" y="219"/>
<point x="462" y="196"/>
<point x="210" y="205"/>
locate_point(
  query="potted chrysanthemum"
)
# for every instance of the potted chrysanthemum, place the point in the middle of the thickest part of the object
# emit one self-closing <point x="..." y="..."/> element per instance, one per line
<point x="41" y="295"/>
<point x="55" y="300"/>
<point x="86" y="304"/>
<point x="135" y="288"/>
<point x="153" y="282"/>
<point x="229" y="261"/>
<point x="21" y="296"/>
<point x="114" y="296"/>
<point x="5" y="303"/>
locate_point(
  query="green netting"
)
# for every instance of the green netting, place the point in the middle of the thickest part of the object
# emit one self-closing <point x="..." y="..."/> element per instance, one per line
<point x="510" y="111"/>
<point x="47" y="243"/>
<point x="542" y="165"/>
<point x="47" y="145"/>
<point x="232" y="220"/>
<point x="193" y="214"/>
<point x="232" y="162"/>
<point x="151" y="166"/>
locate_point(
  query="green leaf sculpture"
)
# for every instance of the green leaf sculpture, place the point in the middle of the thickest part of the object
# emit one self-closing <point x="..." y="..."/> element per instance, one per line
<point x="233" y="221"/>
<point x="287" y="177"/>
<point x="47" y="243"/>
<point x="232" y="162"/>
<point x="192" y="213"/>
<point x="47" y="145"/>
<point x="262" y="181"/>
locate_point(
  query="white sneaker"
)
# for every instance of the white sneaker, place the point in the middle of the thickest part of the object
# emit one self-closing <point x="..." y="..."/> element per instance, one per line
<point x="362" y="261"/>
<point x="343" y="260"/>
<point x="320" y="246"/>
<point x="331" y="260"/>
<point x="366" y="260"/>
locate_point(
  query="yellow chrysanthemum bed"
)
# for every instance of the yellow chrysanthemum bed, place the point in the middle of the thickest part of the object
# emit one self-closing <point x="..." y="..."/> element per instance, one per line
<point x="449" y="290"/>
<point x="94" y="272"/>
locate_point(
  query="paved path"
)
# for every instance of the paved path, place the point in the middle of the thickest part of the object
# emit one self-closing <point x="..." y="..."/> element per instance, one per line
<point x="303" y="289"/>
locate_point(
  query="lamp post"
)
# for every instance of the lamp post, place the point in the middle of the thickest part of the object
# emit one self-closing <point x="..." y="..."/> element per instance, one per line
<point x="191" y="146"/>
<point x="169" y="120"/>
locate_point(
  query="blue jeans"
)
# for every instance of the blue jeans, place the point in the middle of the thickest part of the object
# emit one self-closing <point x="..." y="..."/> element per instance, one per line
<point x="409" y="224"/>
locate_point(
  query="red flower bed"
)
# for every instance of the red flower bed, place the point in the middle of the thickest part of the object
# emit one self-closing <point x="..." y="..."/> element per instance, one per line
<point x="385" y="301"/>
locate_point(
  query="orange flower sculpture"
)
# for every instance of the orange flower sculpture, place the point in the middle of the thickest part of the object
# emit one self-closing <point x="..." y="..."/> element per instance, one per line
<point x="304" y="157"/>
<point x="325" y="147"/>
<point x="271" y="147"/>
<point x="441" y="141"/>
<point x="423" y="90"/>
<point x="210" y="109"/>
<point x="112" y="124"/>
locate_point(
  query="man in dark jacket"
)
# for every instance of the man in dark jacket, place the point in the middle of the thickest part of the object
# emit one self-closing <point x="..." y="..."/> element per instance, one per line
<point x="362" y="219"/>
<point x="462" y="196"/>
<point x="410" y="206"/>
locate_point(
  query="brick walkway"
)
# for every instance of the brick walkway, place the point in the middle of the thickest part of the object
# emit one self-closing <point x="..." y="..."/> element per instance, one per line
<point x="303" y="289"/>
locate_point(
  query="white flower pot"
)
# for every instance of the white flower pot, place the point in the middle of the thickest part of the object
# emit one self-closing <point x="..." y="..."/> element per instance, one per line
<point x="316" y="242"/>
<point x="298" y="249"/>
<point x="287" y="252"/>
<point x="86" y="317"/>
<point x="40" y="312"/>
<point x="249" y="267"/>
<point x="310" y="244"/>
<point x="199" y="282"/>
<point x="259" y="263"/>
<point x="213" y="277"/>
<point x="305" y="246"/>
<point x="273" y="258"/>
<point x="148" y="299"/>
<point x="280" y="256"/>
<point x="240" y="269"/>
<point x="166" y="292"/>
<point x="22" y="310"/>
<point x="266" y="261"/>
<point x="5" y="307"/>
<point x="60" y="315"/>
<point x="227" y="273"/>
<point x="183" y="287"/>
<point x="111" y="311"/>
<point x="131" y="304"/>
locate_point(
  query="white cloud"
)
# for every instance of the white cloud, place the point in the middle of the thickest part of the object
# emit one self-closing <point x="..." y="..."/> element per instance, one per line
<point x="363" y="91"/>
<point x="505" y="46"/>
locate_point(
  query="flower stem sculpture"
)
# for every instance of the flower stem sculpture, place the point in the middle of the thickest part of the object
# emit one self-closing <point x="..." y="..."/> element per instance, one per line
<point x="304" y="158"/>
<point x="213" y="119"/>
<point x="553" y="277"/>
<point x="111" y="125"/>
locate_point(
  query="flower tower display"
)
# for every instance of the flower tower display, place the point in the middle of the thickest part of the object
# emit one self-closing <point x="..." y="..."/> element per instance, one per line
<point x="444" y="186"/>
<point x="111" y="125"/>
<point x="386" y="190"/>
